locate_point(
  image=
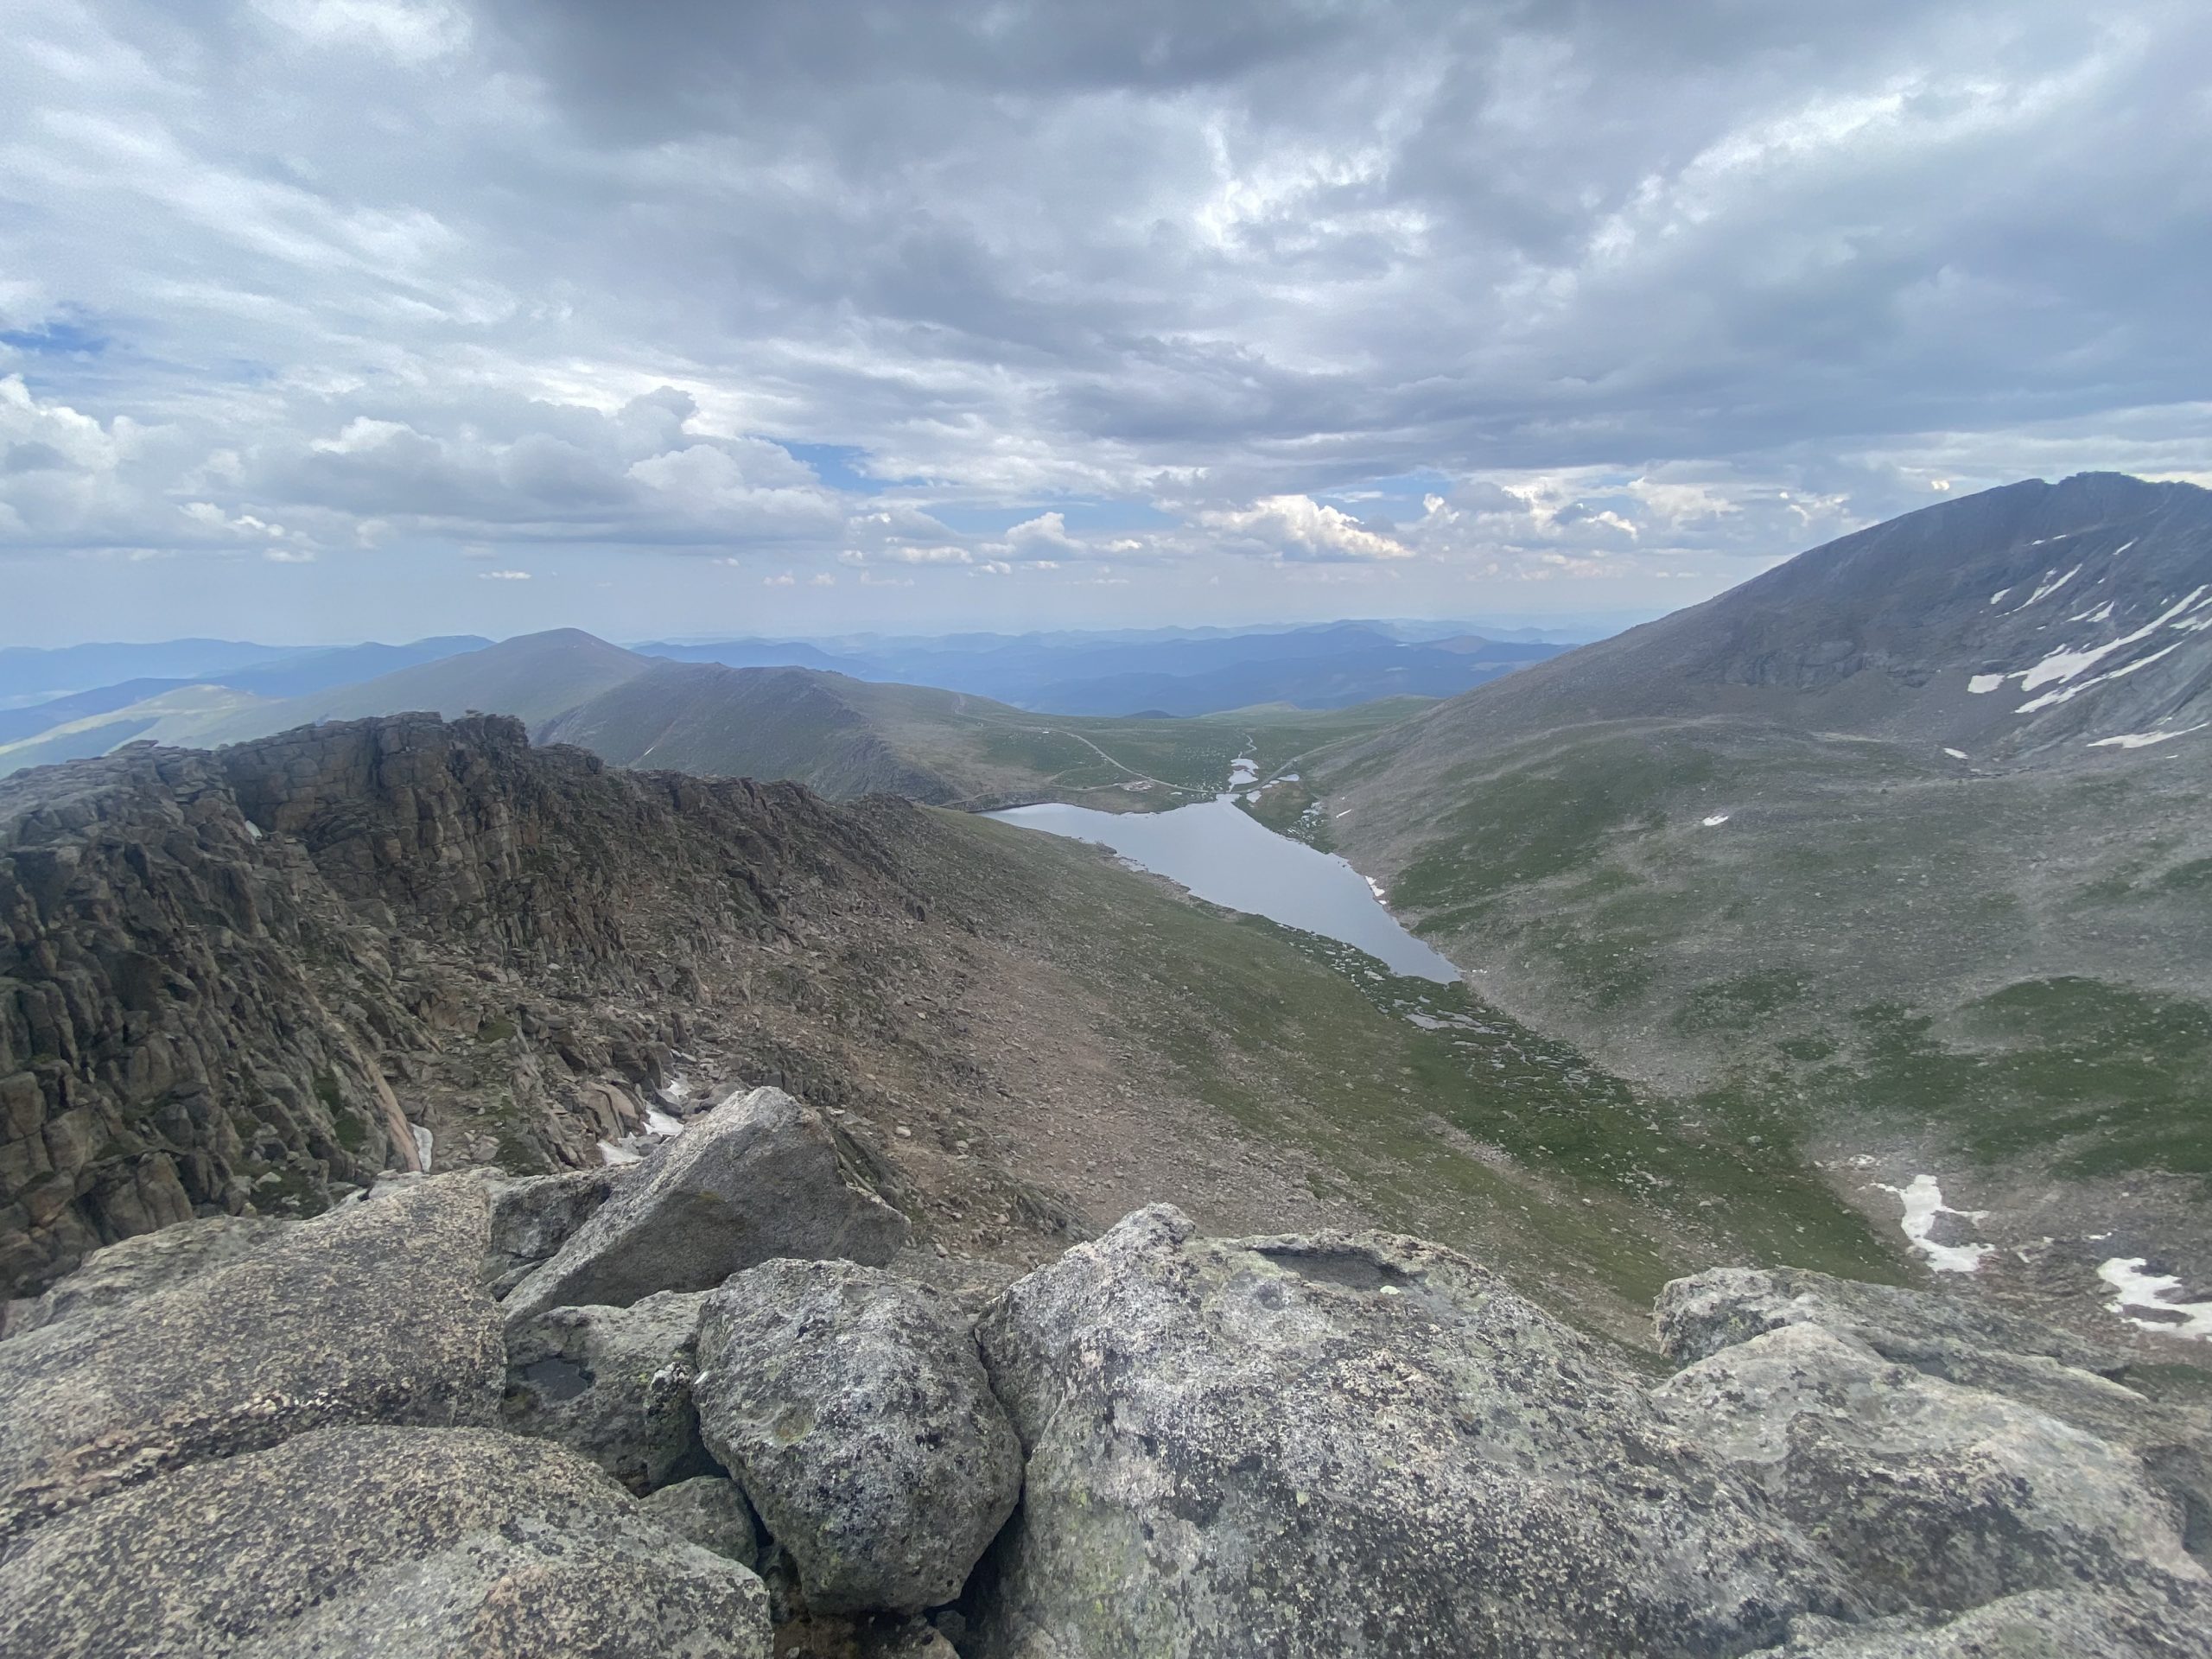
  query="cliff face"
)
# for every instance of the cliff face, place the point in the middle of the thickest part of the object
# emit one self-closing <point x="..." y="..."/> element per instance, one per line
<point x="230" y="979"/>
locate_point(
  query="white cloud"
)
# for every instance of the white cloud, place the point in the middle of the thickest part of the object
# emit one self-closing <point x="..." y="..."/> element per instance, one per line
<point x="1297" y="526"/>
<point x="503" y="576"/>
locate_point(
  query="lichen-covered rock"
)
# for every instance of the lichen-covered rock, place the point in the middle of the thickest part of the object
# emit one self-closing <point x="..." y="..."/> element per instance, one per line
<point x="1960" y="1341"/>
<point x="371" y="1315"/>
<point x="1710" y="1310"/>
<point x="852" y="1407"/>
<point x="2039" y="1625"/>
<point x="1931" y="1494"/>
<point x="612" y="1383"/>
<point x="399" y="1543"/>
<point x="151" y="1261"/>
<point x="757" y="1177"/>
<point x="1349" y="1445"/>
<point x="712" y="1513"/>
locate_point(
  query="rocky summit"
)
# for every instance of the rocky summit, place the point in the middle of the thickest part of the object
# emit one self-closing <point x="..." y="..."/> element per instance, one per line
<point x="1159" y="1443"/>
<point x="444" y="1219"/>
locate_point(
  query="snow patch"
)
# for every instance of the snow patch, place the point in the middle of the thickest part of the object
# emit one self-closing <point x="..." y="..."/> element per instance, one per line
<point x="1718" y="817"/>
<point x="1982" y="683"/>
<point x="1923" y="1203"/>
<point x="1998" y="595"/>
<point x="615" y="1154"/>
<point x="2141" y="739"/>
<point x="2094" y="613"/>
<point x="2125" y="545"/>
<point x="2068" y="693"/>
<point x="2137" y="1292"/>
<point x="2051" y="586"/>
<point x="659" y="1122"/>
<point x="422" y="1146"/>
<point x="2062" y="665"/>
<point x="1957" y="754"/>
<point x="252" y="830"/>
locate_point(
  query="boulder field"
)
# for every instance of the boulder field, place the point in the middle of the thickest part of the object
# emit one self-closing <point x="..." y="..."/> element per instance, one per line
<point x="712" y="1404"/>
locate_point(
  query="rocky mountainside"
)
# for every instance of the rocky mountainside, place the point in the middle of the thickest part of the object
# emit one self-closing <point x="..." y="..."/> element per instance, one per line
<point x="715" y="1405"/>
<point x="2018" y="624"/>
<point x="1899" y="847"/>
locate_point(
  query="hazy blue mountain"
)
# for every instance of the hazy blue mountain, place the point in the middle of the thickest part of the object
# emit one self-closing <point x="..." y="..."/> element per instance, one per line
<point x="1175" y="670"/>
<point x="30" y="672"/>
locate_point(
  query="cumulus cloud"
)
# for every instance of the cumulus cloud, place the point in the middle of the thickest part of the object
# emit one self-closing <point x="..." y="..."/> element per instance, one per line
<point x="1648" y="289"/>
<point x="1297" y="526"/>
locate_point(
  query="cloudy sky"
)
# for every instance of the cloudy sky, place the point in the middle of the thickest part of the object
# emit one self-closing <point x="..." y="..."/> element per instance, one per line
<point x="325" y="318"/>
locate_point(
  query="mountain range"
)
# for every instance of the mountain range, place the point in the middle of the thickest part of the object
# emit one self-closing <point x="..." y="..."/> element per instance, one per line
<point x="1899" y="849"/>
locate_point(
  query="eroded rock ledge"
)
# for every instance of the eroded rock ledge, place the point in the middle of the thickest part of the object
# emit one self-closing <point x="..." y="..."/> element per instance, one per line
<point x="329" y="1437"/>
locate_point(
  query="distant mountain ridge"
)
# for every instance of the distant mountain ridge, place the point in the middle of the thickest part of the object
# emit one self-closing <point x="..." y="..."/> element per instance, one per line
<point x="1900" y="845"/>
<point x="2002" y="624"/>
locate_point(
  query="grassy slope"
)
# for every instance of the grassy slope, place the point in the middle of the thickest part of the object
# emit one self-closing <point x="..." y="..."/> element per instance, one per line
<point x="1477" y="1132"/>
<point x="1876" y="940"/>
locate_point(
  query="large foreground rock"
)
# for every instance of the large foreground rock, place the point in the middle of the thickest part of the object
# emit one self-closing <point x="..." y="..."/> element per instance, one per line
<point x="850" y="1405"/>
<point x="152" y="1262"/>
<point x="397" y="1543"/>
<point x="1964" y="1341"/>
<point x="757" y="1177"/>
<point x="1349" y="1445"/>
<point x="612" y="1383"/>
<point x="370" y="1314"/>
<point x="1932" y="1494"/>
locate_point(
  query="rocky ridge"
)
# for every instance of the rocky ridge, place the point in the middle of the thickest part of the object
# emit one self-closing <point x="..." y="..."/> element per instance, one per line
<point x="1161" y="1442"/>
<point x="247" y="983"/>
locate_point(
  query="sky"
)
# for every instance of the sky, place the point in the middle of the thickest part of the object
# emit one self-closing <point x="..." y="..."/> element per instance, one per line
<point x="325" y="319"/>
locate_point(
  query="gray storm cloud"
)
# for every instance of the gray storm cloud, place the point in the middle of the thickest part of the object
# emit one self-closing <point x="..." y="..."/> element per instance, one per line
<point x="1447" y="294"/>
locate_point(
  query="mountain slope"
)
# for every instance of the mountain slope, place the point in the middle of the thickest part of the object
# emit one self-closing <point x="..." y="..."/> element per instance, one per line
<point x="846" y="738"/>
<point x="2005" y="624"/>
<point x="1778" y="849"/>
<point x="533" y="676"/>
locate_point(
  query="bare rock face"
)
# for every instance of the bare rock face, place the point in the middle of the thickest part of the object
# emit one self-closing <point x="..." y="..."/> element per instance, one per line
<point x="221" y="972"/>
<point x="852" y="1407"/>
<point x="1350" y="1444"/>
<point x="151" y="1261"/>
<point x="398" y="1542"/>
<point x="2037" y="1369"/>
<point x="1933" y="1494"/>
<point x="712" y="1513"/>
<point x="533" y="1216"/>
<point x="612" y="1383"/>
<point x="370" y="1314"/>
<point x="757" y="1177"/>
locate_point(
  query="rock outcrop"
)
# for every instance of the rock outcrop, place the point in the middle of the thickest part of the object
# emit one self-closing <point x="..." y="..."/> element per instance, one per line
<point x="242" y="980"/>
<point x="612" y="1383"/>
<point x="757" y="1177"/>
<point x="403" y="1543"/>
<point x="371" y="1314"/>
<point x="277" y="1439"/>
<point x="1353" y="1445"/>
<point x="852" y="1407"/>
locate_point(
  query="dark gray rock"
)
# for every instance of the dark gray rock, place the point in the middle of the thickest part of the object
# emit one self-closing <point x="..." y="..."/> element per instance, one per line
<point x="531" y="1219"/>
<point x="756" y="1178"/>
<point x="851" y="1406"/>
<point x="1931" y="1494"/>
<point x="152" y="1262"/>
<point x="1349" y="1445"/>
<point x="712" y="1513"/>
<point x="396" y="1543"/>
<point x="612" y="1383"/>
<point x="369" y="1314"/>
